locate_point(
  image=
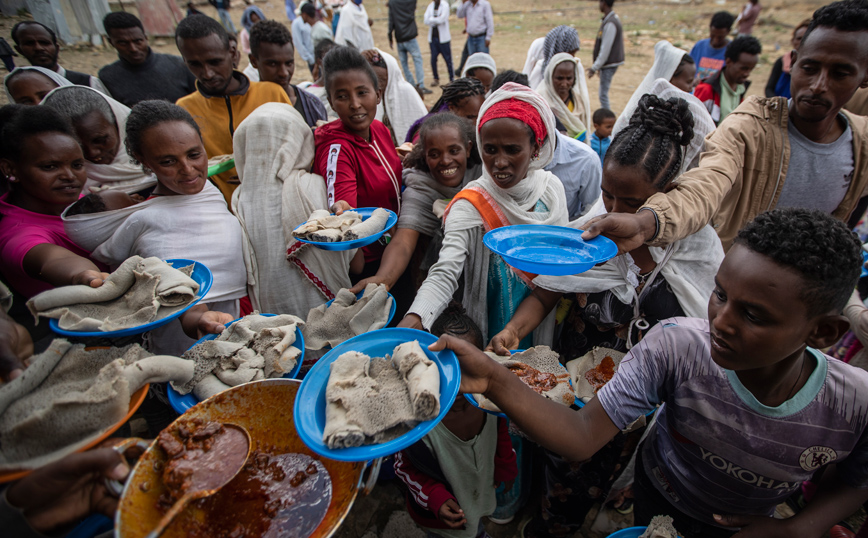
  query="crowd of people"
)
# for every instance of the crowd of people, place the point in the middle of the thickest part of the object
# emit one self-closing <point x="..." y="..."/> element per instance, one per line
<point x="732" y="215"/>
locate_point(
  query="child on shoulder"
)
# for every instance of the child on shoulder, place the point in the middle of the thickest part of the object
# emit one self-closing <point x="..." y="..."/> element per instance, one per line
<point x="452" y="473"/>
<point x="752" y="407"/>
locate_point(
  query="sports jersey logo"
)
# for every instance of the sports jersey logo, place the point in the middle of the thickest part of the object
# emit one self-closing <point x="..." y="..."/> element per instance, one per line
<point x="817" y="456"/>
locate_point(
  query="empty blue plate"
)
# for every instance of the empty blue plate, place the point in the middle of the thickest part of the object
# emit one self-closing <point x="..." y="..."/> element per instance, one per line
<point x="202" y="276"/>
<point x="182" y="403"/>
<point x="864" y="261"/>
<point x="310" y="402"/>
<point x="548" y="250"/>
<point x="391" y="310"/>
<point x="365" y="213"/>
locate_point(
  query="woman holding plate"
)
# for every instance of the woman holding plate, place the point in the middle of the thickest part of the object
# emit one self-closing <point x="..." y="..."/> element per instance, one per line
<point x="515" y="135"/>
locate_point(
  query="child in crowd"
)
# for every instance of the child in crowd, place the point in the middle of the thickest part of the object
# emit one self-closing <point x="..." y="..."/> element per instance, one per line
<point x="102" y="201"/>
<point x="752" y="408"/>
<point x="452" y="473"/>
<point x="440" y="165"/>
<point x="604" y="122"/>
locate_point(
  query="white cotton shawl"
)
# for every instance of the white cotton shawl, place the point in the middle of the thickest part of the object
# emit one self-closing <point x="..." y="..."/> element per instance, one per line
<point x="191" y="226"/>
<point x="534" y="54"/>
<point x="516" y="204"/>
<point x="703" y="125"/>
<point x="688" y="265"/>
<point x="53" y="75"/>
<point x="353" y="27"/>
<point x="666" y="59"/>
<point x="479" y="59"/>
<point x="580" y="120"/>
<point x="121" y="173"/>
<point x="401" y="100"/>
<point x="273" y="148"/>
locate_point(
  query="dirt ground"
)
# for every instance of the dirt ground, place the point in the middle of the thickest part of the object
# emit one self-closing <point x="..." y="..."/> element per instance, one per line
<point x="382" y="513"/>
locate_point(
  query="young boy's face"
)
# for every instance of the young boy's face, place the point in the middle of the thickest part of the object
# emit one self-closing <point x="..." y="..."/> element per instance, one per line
<point x="755" y="313"/>
<point x="604" y="130"/>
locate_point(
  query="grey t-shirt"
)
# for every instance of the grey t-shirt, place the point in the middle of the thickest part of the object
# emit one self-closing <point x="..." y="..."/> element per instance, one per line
<point x="819" y="174"/>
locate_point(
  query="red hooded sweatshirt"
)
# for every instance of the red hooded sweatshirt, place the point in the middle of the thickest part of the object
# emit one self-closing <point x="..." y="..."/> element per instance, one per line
<point x="361" y="173"/>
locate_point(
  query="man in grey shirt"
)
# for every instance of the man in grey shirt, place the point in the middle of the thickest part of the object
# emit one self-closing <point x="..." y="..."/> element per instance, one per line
<point x="812" y="162"/>
<point x="479" y="24"/>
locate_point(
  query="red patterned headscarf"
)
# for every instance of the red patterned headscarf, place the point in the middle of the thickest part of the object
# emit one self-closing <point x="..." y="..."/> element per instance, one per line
<point x="518" y="110"/>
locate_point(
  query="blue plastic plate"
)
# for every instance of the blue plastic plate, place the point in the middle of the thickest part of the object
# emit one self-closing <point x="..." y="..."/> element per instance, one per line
<point x="473" y="402"/>
<point x="864" y="261"/>
<point x="202" y="276"/>
<point x="631" y="532"/>
<point x="310" y="402"/>
<point x="548" y="250"/>
<point x="365" y="213"/>
<point x="182" y="403"/>
<point x="391" y="310"/>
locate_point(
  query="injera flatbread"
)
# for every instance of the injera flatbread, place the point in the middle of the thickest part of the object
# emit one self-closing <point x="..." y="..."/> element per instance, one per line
<point x="253" y="348"/>
<point x="322" y="226"/>
<point x="660" y="527"/>
<point x="140" y="291"/>
<point x="371" y="401"/>
<point x="579" y="367"/>
<point x="543" y="359"/>
<point x="68" y="396"/>
<point x="347" y="317"/>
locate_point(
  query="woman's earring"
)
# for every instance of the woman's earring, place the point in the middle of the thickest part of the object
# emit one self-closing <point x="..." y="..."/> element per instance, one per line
<point x="536" y="155"/>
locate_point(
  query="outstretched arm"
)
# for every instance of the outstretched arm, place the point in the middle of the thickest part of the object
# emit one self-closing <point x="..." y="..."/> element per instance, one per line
<point x="575" y="435"/>
<point x="60" y="267"/>
<point x="530" y="313"/>
<point x="395" y="260"/>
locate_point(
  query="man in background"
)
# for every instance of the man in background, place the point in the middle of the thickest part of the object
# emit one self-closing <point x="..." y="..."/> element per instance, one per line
<point x="402" y="23"/>
<point x="38" y="44"/>
<point x="724" y="91"/>
<point x="709" y="54"/>
<point x="479" y="25"/>
<point x="608" y="50"/>
<point x="140" y="73"/>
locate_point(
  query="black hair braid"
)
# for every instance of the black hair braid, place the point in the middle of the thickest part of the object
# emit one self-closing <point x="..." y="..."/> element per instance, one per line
<point x="458" y="89"/>
<point x="654" y="138"/>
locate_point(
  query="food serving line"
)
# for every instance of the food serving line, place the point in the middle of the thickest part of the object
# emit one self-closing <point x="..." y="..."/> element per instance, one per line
<point x="287" y="416"/>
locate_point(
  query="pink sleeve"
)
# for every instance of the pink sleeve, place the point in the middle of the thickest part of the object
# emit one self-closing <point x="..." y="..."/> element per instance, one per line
<point x="19" y="244"/>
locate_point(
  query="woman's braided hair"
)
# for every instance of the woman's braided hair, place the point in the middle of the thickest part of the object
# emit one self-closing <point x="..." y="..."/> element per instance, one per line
<point x="458" y="89"/>
<point x="654" y="138"/>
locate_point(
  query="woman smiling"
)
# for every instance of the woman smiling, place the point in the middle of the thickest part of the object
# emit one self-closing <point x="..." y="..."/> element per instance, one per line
<point x="100" y="123"/>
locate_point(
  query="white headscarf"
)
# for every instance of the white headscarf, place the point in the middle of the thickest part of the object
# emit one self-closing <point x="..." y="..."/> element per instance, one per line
<point x="576" y="122"/>
<point x="53" y="75"/>
<point x="273" y="150"/>
<point x="121" y="173"/>
<point x="666" y="59"/>
<point x="534" y="54"/>
<point x="401" y="101"/>
<point x="703" y="125"/>
<point x="479" y="59"/>
<point x="516" y="204"/>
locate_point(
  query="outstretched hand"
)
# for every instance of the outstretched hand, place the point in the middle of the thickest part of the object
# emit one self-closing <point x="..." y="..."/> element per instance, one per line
<point x="212" y="322"/>
<point x="477" y="368"/>
<point x="339" y="207"/>
<point x="628" y="231"/>
<point x="362" y="284"/>
<point x="412" y="321"/>
<point x="91" y="278"/>
<point x="759" y="526"/>
<point x="60" y="493"/>
<point x="503" y="342"/>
